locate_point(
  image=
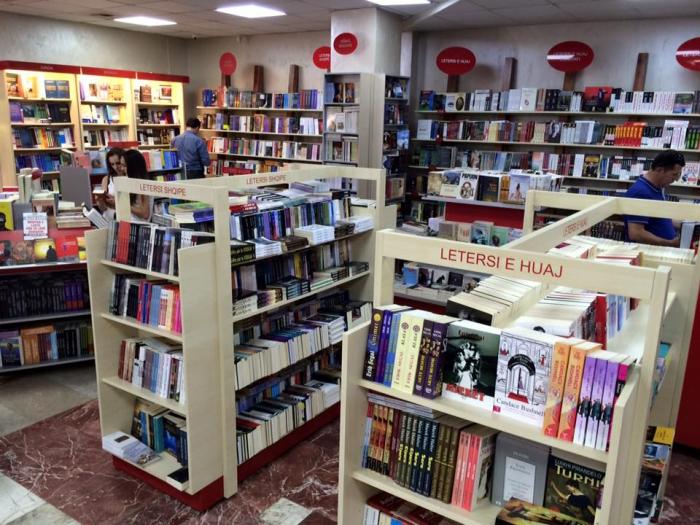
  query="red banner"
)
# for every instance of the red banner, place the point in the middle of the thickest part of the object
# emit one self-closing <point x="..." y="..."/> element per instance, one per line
<point x="455" y="61"/>
<point x="345" y="44"/>
<point x="688" y="54"/>
<point x="228" y="63"/>
<point x="570" y="56"/>
<point x="322" y="58"/>
<point x="38" y="66"/>
<point x="162" y="76"/>
<point x="102" y="72"/>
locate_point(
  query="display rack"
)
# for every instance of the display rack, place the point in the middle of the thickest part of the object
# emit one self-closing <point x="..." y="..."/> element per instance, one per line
<point x="668" y="294"/>
<point x="166" y="97"/>
<point x="207" y="335"/>
<point x="395" y="150"/>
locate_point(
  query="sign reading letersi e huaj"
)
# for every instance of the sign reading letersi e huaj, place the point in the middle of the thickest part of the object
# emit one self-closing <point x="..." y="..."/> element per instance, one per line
<point x="570" y="56"/>
<point x="455" y="60"/>
<point x="688" y="54"/>
<point x="345" y="43"/>
<point x="520" y="265"/>
<point x="228" y="63"/>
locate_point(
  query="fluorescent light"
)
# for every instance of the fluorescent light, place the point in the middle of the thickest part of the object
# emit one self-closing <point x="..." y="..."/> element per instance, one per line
<point x="399" y="2"/>
<point x="250" y="11"/>
<point x="147" y="21"/>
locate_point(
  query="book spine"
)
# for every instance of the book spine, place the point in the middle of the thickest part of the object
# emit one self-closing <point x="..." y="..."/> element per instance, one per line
<point x="433" y="377"/>
<point x="391" y="350"/>
<point x="401" y="349"/>
<point x="437" y="462"/>
<point x="410" y="449"/>
<point x="472" y="463"/>
<point x="430" y="459"/>
<point x="383" y="344"/>
<point x="397" y="447"/>
<point x="552" y="411"/>
<point x="373" y="339"/>
<point x="607" y="405"/>
<point x="596" y="411"/>
<point x="424" y="350"/>
<point x="622" y="373"/>
<point x="572" y="389"/>
<point x="450" y="464"/>
<point x="459" y="472"/>
<point x="415" y="334"/>
<point x="421" y="433"/>
<point x="391" y="416"/>
<point x="368" y="432"/>
<point x="584" y="403"/>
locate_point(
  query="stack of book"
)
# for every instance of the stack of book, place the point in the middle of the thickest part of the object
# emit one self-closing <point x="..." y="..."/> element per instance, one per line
<point x="128" y="448"/>
<point x="265" y="247"/>
<point x="242" y="252"/>
<point x="316" y="233"/>
<point x="361" y="223"/>
<point x="292" y="243"/>
<point x="384" y="508"/>
<point x="156" y="303"/>
<point x="358" y="267"/>
<point x="153" y="364"/>
<point x="247" y="301"/>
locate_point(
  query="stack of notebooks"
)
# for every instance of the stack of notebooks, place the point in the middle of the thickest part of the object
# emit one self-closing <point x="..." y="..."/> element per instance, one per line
<point x="316" y="233"/>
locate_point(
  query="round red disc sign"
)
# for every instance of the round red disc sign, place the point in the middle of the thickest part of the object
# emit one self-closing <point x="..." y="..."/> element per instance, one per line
<point x="227" y="63"/>
<point x="688" y="54"/>
<point x="345" y="43"/>
<point x="322" y="57"/>
<point x="455" y="60"/>
<point x="570" y="56"/>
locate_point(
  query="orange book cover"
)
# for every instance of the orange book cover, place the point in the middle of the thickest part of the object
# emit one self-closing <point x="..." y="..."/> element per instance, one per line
<point x="557" y="381"/>
<point x="572" y="388"/>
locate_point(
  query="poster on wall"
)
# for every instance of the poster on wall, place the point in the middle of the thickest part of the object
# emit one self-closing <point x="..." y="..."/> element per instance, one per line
<point x="688" y="54"/>
<point x="322" y="58"/>
<point x="455" y="60"/>
<point x="570" y="56"/>
<point x="345" y="43"/>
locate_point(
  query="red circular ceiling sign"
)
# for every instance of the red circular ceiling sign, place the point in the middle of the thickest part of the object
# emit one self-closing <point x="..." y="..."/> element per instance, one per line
<point x="322" y="57"/>
<point x="227" y="63"/>
<point x="570" y="56"/>
<point x="688" y="54"/>
<point x="455" y="60"/>
<point x="345" y="43"/>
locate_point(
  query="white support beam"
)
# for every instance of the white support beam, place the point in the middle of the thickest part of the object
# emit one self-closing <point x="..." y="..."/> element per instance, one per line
<point x="428" y="13"/>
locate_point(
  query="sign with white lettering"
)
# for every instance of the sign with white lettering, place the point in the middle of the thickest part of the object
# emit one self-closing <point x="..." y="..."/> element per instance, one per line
<point x="35" y="226"/>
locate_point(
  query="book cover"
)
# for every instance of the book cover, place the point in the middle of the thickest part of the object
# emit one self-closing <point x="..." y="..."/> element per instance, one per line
<point x="572" y="388"/>
<point x="23" y="252"/>
<point x="517" y="188"/>
<point x="11" y="349"/>
<point x="425" y="101"/>
<point x="434" y="183"/>
<point x="45" y="251"/>
<point x="604" y="425"/>
<point x="449" y="180"/>
<point x="488" y="188"/>
<point x="372" y="349"/>
<point x="523" y="373"/>
<point x="596" y="412"/>
<point x="552" y="411"/>
<point x="584" y="403"/>
<point x="469" y="364"/>
<point x="468" y="183"/>
<point x="573" y="489"/>
<point x="481" y="232"/>
<point x="500" y="235"/>
<point x="519" y="471"/>
<point x="518" y="512"/>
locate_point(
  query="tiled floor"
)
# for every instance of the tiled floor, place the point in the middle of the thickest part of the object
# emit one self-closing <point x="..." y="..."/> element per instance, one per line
<point x="54" y="472"/>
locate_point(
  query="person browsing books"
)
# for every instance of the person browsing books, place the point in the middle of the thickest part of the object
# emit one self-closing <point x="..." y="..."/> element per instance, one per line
<point x="116" y="167"/>
<point x="665" y="169"/>
<point x="136" y="169"/>
<point x="192" y="149"/>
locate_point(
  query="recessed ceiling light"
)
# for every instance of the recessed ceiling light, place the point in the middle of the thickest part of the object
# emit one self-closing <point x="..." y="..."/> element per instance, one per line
<point x="399" y="2"/>
<point x="147" y="21"/>
<point x="250" y="11"/>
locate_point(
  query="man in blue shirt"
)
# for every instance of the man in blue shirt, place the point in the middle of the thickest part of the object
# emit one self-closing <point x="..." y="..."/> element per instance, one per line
<point x="665" y="169"/>
<point x="192" y="149"/>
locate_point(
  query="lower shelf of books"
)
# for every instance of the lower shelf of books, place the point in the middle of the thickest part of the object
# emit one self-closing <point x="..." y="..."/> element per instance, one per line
<point x="143" y="393"/>
<point x="55" y="362"/>
<point x="161" y="467"/>
<point x="485" y="515"/>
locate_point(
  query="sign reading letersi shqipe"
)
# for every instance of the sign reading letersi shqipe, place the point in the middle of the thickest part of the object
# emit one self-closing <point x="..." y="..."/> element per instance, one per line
<point x="260" y="179"/>
<point x="35" y="226"/>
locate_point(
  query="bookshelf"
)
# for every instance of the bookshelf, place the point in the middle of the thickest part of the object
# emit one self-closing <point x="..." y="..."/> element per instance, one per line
<point x="208" y="326"/>
<point x="158" y="110"/>
<point x="668" y="293"/>
<point x="395" y="135"/>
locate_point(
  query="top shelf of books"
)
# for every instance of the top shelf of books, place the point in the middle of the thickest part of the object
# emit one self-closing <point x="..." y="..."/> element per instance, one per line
<point x="556" y="113"/>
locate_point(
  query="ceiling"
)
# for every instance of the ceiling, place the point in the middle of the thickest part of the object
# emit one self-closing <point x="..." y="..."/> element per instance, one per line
<point x="198" y="18"/>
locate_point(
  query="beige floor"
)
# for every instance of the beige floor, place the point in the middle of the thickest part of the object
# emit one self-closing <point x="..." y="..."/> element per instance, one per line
<point x="28" y="397"/>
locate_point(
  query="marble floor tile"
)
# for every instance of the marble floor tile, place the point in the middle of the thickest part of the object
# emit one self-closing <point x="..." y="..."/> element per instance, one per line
<point x="15" y="500"/>
<point x="284" y="512"/>
<point x="45" y="514"/>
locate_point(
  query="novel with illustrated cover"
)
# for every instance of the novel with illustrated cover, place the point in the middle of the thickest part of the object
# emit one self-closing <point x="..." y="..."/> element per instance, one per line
<point x="469" y="364"/>
<point x="572" y="488"/>
<point x="518" y="512"/>
<point x="468" y="185"/>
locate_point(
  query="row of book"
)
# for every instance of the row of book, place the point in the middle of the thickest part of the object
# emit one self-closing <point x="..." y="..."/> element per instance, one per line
<point x="469" y="465"/>
<point x="154" y="364"/>
<point x="383" y="508"/>
<point x="43" y="344"/>
<point x="261" y="123"/>
<point x="154" y="303"/>
<point x="230" y="97"/>
<point x="163" y="95"/>
<point x="164" y="159"/>
<point x="42" y="294"/>
<point x="339" y="148"/>
<point x="676" y="134"/>
<point x="289" y="406"/>
<point x="103" y="137"/>
<point x="41" y="113"/>
<point x="156" y="136"/>
<point x="622" y="167"/>
<point x="102" y="90"/>
<point x="42" y="138"/>
<point x="471" y="185"/>
<point x="478" y="232"/>
<point x="342" y="120"/>
<point x="101" y="114"/>
<point x="149" y="246"/>
<point x="160" y="429"/>
<point x="265" y="148"/>
<point x="35" y="86"/>
<point x="43" y="161"/>
<point x="340" y="93"/>
<point x="597" y="99"/>
<point x="646" y="251"/>
<point x="227" y="167"/>
<point x="158" y="116"/>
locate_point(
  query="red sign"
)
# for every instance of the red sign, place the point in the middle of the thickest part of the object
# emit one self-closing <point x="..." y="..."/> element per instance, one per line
<point x="455" y="60"/>
<point x="322" y="57"/>
<point x="142" y="75"/>
<point x="570" y="56"/>
<point x="102" y="72"/>
<point x="688" y="54"/>
<point x="37" y="66"/>
<point x="227" y="63"/>
<point x="345" y="43"/>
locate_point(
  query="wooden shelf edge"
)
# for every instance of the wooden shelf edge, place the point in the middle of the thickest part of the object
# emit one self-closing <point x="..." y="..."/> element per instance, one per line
<point x="143" y="271"/>
<point x="56" y="362"/>
<point x="488" y="204"/>
<point x="45" y="317"/>
<point x="146" y="394"/>
<point x="132" y="323"/>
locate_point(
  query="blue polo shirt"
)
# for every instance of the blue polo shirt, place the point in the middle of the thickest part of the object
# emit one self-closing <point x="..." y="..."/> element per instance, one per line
<point x="643" y="189"/>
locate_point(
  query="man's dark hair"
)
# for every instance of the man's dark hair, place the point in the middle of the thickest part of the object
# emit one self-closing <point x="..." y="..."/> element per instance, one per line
<point x="668" y="159"/>
<point x="193" y="122"/>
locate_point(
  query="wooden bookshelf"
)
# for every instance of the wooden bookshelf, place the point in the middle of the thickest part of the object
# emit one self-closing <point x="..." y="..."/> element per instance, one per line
<point x="207" y="335"/>
<point x="165" y="95"/>
<point x="105" y="94"/>
<point x="668" y="293"/>
<point x="261" y="110"/>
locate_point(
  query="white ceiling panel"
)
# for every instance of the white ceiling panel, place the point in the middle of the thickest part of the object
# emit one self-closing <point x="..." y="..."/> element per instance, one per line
<point x="501" y="4"/>
<point x="543" y="14"/>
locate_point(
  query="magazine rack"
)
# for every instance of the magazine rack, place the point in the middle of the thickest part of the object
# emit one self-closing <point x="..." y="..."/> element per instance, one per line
<point x="668" y="293"/>
<point x="207" y="335"/>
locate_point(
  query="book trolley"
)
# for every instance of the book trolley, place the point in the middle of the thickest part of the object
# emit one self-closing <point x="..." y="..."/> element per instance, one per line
<point x="208" y="326"/>
<point x="668" y="295"/>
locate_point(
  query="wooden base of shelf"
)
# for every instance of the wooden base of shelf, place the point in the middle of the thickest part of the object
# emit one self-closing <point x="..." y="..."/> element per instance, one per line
<point x="201" y="501"/>
<point x="250" y="467"/>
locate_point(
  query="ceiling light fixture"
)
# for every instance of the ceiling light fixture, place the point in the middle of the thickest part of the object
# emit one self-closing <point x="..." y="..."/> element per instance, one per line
<point x="250" y="11"/>
<point x="389" y="3"/>
<point x="147" y="21"/>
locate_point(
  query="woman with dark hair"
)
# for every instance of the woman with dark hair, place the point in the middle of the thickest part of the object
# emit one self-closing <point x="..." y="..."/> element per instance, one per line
<point x="136" y="169"/>
<point x="116" y="168"/>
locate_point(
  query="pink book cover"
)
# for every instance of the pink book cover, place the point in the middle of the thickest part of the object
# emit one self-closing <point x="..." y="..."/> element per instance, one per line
<point x="596" y="412"/>
<point x="622" y="372"/>
<point x="462" y="455"/>
<point x="608" y="400"/>
<point x="584" y="400"/>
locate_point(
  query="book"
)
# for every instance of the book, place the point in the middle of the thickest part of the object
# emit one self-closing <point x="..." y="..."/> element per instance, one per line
<point x="557" y="383"/>
<point x="574" y="486"/>
<point x="518" y="512"/>
<point x="468" y="183"/>
<point x="469" y="365"/>
<point x="520" y="470"/>
<point x="482" y="449"/>
<point x="592" y="366"/>
<point x="450" y="183"/>
<point x="572" y="388"/>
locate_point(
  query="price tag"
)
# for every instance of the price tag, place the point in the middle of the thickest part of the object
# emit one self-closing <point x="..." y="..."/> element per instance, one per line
<point x="35" y="226"/>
